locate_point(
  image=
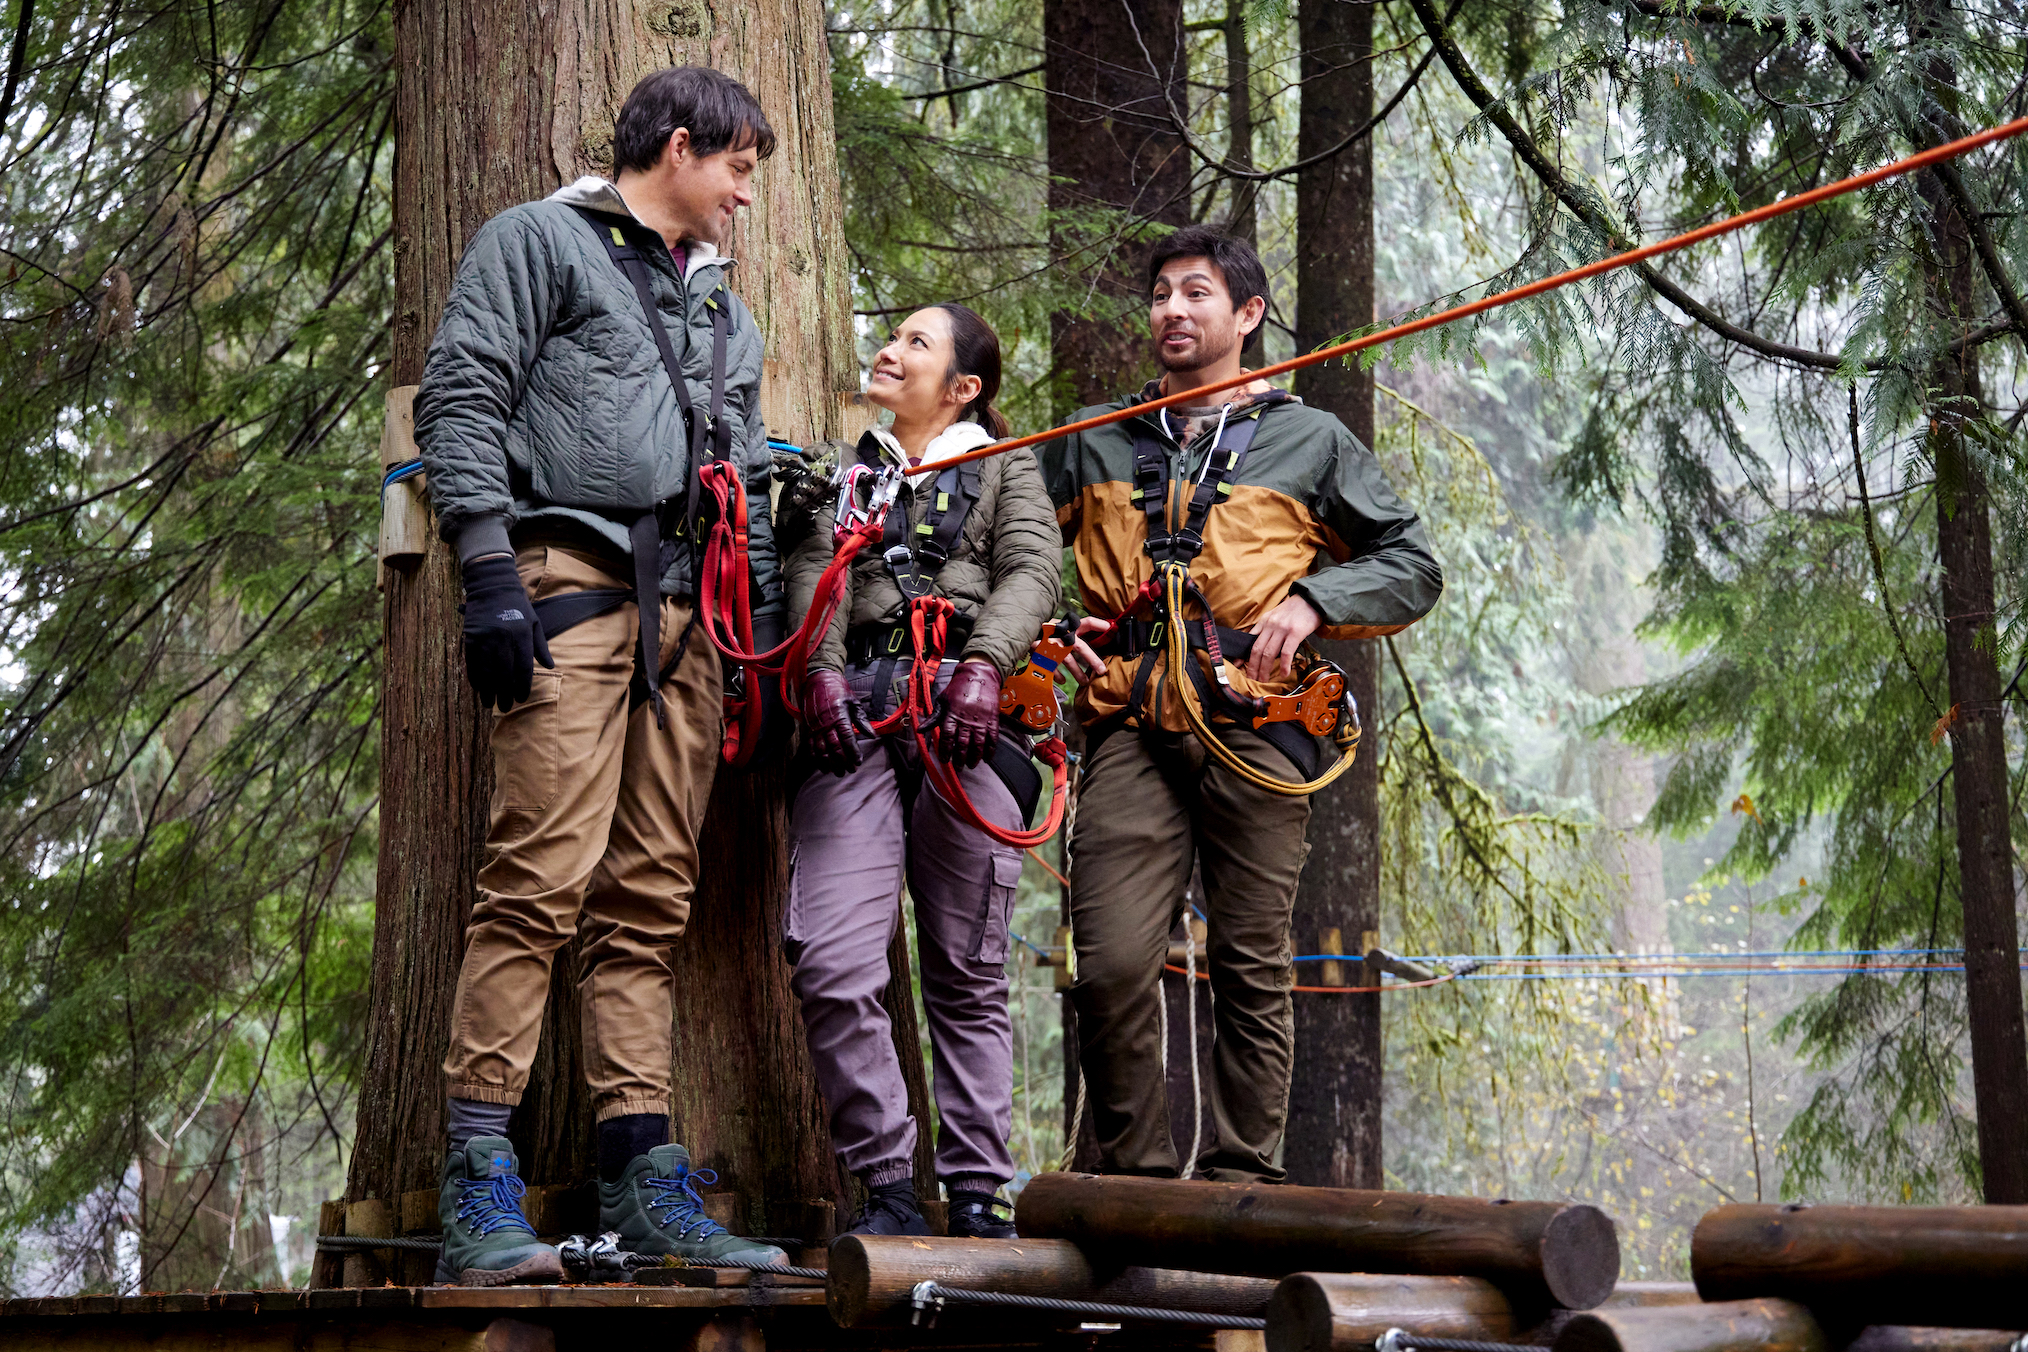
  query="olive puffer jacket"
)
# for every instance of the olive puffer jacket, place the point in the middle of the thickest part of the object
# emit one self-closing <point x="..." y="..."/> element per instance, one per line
<point x="544" y="402"/>
<point x="1005" y="569"/>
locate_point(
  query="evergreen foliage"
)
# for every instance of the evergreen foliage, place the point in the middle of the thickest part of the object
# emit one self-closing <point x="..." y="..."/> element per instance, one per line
<point x="195" y="310"/>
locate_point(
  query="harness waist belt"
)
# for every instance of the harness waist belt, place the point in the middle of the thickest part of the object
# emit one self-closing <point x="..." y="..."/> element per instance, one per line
<point x="1131" y="638"/>
<point x="868" y="643"/>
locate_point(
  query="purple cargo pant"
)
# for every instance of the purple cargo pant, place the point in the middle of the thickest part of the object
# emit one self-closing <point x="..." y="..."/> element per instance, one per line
<point x="854" y="838"/>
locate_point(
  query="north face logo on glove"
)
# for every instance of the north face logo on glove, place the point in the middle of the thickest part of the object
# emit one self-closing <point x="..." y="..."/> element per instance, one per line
<point x="507" y="615"/>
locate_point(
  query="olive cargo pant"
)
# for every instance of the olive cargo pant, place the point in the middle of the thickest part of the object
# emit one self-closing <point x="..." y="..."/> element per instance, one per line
<point x="1151" y="802"/>
<point x="594" y="829"/>
<point x="856" y="839"/>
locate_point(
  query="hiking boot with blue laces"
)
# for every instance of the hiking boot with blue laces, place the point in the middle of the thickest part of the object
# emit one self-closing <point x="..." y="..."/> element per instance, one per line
<point x="487" y="1241"/>
<point x="976" y="1215"/>
<point x="655" y="1209"/>
<point x="891" y="1209"/>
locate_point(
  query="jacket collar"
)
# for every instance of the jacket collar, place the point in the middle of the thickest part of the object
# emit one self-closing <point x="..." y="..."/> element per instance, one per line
<point x="597" y="194"/>
<point x="961" y="436"/>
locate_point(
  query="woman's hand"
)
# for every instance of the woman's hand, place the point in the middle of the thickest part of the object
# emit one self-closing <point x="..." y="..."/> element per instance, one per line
<point x="827" y="723"/>
<point x="1084" y="662"/>
<point x="1280" y="632"/>
<point x="971" y="714"/>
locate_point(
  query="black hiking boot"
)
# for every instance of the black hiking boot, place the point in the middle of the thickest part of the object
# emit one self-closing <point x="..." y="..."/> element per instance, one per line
<point x="973" y="1216"/>
<point x="890" y="1210"/>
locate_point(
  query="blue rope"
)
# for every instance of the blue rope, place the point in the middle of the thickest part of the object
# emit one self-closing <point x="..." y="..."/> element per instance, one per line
<point x="490" y="1204"/>
<point x="777" y="444"/>
<point x="680" y="1196"/>
<point x="407" y="469"/>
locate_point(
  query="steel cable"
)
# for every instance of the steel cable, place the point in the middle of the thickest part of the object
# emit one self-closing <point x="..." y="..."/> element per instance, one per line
<point x="931" y="1296"/>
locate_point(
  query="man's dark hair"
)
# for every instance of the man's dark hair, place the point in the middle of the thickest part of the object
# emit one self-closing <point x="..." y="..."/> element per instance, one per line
<point x="1237" y="265"/>
<point x="719" y="112"/>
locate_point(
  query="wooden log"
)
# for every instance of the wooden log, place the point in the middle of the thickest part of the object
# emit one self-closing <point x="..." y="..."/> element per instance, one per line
<point x="1345" y="1312"/>
<point x="368" y="1267"/>
<point x="1902" y="1338"/>
<point x="1538" y="1253"/>
<point x="1955" y="1267"/>
<point x="871" y="1277"/>
<point x="404" y="511"/>
<point x="1724" y="1326"/>
<point x="1629" y="1295"/>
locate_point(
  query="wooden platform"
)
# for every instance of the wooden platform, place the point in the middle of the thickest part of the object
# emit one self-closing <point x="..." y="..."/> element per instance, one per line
<point x="748" y="1317"/>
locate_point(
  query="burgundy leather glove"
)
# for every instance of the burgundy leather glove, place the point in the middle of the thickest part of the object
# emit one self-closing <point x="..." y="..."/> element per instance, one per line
<point x="827" y="723"/>
<point x="971" y="714"/>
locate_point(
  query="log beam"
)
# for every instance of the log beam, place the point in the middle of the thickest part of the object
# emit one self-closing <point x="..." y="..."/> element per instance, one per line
<point x="871" y="1277"/>
<point x="1957" y="1267"/>
<point x="1726" y="1326"/>
<point x="1538" y="1253"/>
<point x="1345" y="1312"/>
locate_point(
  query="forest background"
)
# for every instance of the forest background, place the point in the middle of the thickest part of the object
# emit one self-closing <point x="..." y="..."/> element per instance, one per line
<point x="1691" y="688"/>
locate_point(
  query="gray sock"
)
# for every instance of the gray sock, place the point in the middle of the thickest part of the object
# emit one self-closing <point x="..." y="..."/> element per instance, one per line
<point x="469" y="1118"/>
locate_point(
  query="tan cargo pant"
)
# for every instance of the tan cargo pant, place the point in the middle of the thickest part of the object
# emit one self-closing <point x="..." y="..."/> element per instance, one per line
<point x="593" y="828"/>
<point x="1149" y="804"/>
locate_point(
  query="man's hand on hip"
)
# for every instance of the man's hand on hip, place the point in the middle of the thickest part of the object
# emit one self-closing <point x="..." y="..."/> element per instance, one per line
<point x="503" y="638"/>
<point x="1275" y="639"/>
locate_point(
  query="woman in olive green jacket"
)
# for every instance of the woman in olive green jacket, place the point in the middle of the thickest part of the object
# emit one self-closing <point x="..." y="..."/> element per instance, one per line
<point x="983" y="535"/>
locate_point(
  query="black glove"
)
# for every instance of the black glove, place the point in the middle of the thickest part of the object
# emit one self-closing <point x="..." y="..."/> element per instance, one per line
<point x="827" y="723"/>
<point x="971" y="714"/>
<point x="503" y="638"/>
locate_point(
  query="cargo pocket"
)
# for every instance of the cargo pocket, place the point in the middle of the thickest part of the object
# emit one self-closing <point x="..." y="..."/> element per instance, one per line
<point x="525" y="751"/>
<point x="1003" y="881"/>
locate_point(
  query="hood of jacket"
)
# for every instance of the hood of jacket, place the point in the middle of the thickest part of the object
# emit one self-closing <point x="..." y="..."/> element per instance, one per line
<point x="603" y="195"/>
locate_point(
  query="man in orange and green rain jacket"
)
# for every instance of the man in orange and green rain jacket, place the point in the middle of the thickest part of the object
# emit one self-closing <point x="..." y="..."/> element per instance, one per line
<point x="1289" y="529"/>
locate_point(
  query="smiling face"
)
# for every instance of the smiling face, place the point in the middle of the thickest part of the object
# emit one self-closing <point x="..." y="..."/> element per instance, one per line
<point x="1193" y="319"/>
<point x="912" y="374"/>
<point x="703" y="191"/>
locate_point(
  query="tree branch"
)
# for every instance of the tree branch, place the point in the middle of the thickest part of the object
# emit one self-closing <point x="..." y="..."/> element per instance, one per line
<point x="1590" y="211"/>
<point x="16" y="59"/>
<point x="987" y="83"/>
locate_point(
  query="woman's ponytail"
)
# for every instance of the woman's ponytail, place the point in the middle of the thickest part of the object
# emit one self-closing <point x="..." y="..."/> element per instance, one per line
<point x="975" y="351"/>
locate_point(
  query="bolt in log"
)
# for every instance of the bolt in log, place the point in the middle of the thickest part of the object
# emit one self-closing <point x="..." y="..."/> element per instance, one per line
<point x="1957" y="1267"/>
<point x="1345" y="1312"/>
<point x="871" y="1276"/>
<point x="1537" y="1253"/>
<point x="1727" y="1326"/>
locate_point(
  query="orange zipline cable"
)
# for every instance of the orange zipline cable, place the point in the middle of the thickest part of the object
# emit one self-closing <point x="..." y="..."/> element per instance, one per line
<point x="1948" y="150"/>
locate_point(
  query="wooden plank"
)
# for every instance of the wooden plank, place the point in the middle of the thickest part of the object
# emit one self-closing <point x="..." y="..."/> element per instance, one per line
<point x="239" y="1302"/>
<point x="99" y="1305"/>
<point x="337" y="1298"/>
<point x="327" y="1267"/>
<point x="419" y="1215"/>
<point x="283" y="1302"/>
<point x="181" y="1302"/>
<point x="368" y="1217"/>
<point x="387" y="1298"/>
<point x="150" y="1303"/>
<point x="716" y="1277"/>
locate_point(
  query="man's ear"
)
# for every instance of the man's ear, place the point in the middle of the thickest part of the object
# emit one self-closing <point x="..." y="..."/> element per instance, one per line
<point x="678" y="148"/>
<point x="1251" y="316"/>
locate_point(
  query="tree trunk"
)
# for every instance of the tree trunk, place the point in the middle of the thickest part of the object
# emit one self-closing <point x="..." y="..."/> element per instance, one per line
<point x="1114" y="72"/>
<point x="1334" y="1096"/>
<point x="495" y="106"/>
<point x="1978" y="743"/>
<point x="1243" y="218"/>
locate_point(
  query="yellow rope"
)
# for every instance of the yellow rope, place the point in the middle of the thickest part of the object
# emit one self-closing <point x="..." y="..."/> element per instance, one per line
<point x="1176" y="642"/>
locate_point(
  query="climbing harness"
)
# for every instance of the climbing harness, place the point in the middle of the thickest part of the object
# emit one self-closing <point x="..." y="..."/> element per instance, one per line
<point x="1318" y="706"/>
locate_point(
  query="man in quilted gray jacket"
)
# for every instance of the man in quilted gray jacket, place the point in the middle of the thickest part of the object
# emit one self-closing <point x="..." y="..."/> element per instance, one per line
<point x="590" y="359"/>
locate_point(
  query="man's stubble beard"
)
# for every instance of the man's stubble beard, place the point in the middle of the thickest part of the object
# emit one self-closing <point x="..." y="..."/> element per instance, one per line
<point x="1205" y="357"/>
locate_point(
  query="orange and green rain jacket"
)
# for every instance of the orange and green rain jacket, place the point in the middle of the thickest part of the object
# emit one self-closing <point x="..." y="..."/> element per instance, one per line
<point x="1310" y="512"/>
